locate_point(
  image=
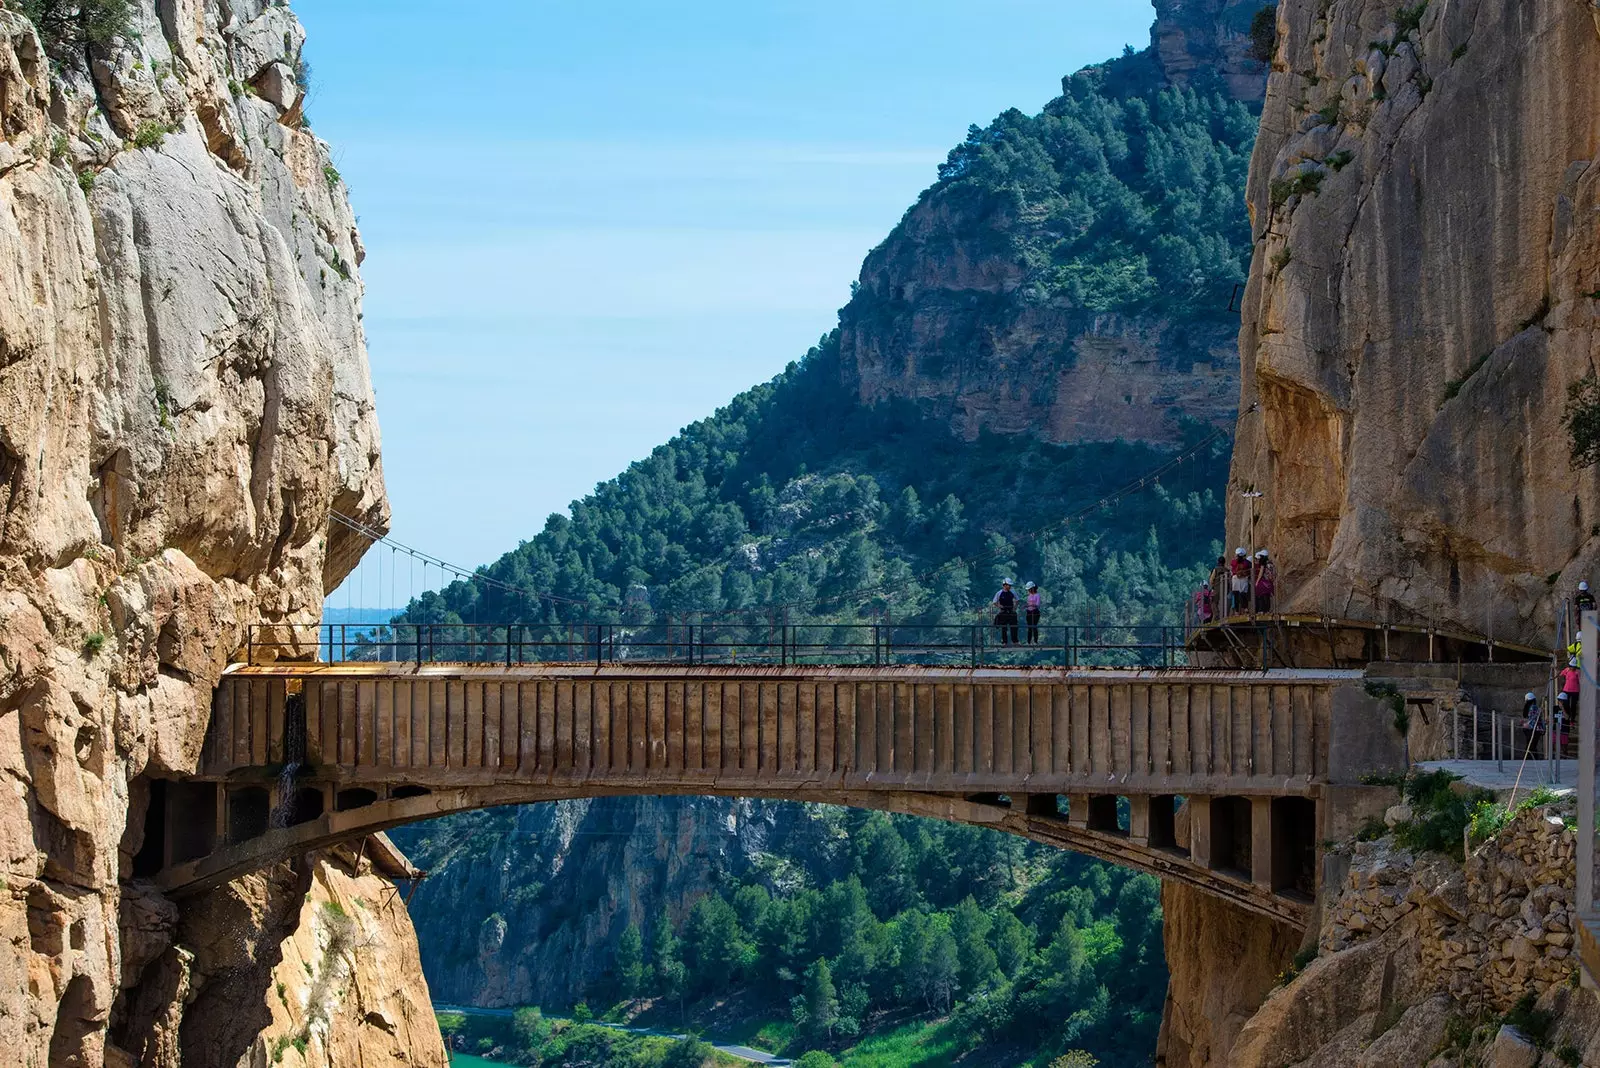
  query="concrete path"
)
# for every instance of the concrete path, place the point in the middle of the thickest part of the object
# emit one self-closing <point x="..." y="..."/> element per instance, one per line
<point x="744" y="1053"/>
<point x="1502" y="778"/>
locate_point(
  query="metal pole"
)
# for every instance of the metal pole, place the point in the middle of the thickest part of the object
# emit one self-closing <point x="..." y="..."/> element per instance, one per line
<point x="1586" y="765"/>
<point x="1474" y="732"/>
<point x="1499" y="758"/>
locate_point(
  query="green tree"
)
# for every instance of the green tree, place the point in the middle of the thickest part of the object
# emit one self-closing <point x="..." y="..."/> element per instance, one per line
<point x="629" y="962"/>
<point x="817" y="1010"/>
<point x="530" y="1027"/>
<point x="1013" y="942"/>
<point x="67" y="24"/>
<point x="970" y="927"/>
<point x="716" y="950"/>
<point x="688" y="1053"/>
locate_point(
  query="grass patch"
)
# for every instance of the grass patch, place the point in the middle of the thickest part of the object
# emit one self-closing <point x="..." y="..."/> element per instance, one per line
<point x="929" y="1044"/>
<point x="93" y="643"/>
<point x="86" y="182"/>
<point x="331" y="174"/>
<point x="1489" y="817"/>
<point x="1340" y="160"/>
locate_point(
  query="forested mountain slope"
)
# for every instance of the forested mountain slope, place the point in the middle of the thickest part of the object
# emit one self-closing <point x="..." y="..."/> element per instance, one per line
<point x="855" y="488"/>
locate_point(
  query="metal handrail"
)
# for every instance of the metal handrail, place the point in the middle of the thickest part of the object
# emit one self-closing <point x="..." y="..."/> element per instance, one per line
<point x="806" y="643"/>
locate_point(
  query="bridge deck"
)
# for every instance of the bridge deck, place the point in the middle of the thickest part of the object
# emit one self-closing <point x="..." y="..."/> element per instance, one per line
<point x="958" y="729"/>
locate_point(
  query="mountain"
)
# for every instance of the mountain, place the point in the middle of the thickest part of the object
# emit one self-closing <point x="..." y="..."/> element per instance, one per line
<point x="1048" y="323"/>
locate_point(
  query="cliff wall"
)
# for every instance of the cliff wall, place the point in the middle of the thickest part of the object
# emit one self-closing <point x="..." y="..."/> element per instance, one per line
<point x="525" y="907"/>
<point x="1077" y="284"/>
<point x="184" y="396"/>
<point x="1421" y="297"/>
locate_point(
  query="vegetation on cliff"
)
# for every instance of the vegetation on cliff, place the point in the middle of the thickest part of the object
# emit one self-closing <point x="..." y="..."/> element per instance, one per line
<point x="1119" y="196"/>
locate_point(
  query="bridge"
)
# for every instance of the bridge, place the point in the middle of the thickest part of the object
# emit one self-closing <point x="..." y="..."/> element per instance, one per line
<point x="1224" y="779"/>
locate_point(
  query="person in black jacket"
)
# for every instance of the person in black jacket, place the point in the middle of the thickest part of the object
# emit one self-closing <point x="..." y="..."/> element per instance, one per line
<point x="1006" y="618"/>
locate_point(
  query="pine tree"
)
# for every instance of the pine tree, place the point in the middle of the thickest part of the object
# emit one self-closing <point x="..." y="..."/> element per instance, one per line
<point x="630" y="961"/>
<point x="818" y="1008"/>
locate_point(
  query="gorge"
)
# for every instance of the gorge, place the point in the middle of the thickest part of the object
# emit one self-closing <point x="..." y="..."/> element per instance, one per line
<point x="185" y="403"/>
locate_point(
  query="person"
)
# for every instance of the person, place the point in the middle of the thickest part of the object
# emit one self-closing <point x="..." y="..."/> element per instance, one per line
<point x="1584" y="601"/>
<point x="1006" y="618"/>
<point x="1035" y="603"/>
<point x="1570" y="681"/>
<point x="1266" y="576"/>
<point x="1239" y="583"/>
<point x="1532" y="719"/>
<point x="1218" y="584"/>
<point x="1203" y="605"/>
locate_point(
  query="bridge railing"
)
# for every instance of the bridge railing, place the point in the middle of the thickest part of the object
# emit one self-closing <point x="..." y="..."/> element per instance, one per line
<point x="779" y="644"/>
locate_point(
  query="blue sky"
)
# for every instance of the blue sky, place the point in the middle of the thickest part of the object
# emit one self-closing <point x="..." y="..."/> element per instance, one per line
<point x="590" y="224"/>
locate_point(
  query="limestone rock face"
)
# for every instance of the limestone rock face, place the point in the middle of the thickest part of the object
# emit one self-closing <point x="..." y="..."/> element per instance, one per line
<point x="946" y="313"/>
<point x="319" y="959"/>
<point x="1223" y="962"/>
<point x="184" y="396"/>
<point x="1424" y="195"/>
<point x="526" y="905"/>
<point x="1197" y="40"/>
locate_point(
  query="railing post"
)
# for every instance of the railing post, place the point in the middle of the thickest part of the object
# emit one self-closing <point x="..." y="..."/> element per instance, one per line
<point x="877" y="647"/>
<point x="250" y="644"/>
<point x="1586" y="765"/>
<point x="508" y="646"/>
<point x="783" y="644"/>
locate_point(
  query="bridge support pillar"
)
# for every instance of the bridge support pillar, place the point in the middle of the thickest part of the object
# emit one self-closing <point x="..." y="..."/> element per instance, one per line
<point x="1078" y="811"/>
<point x="1139" y="819"/>
<point x="1261" y="842"/>
<point x="1200" y="831"/>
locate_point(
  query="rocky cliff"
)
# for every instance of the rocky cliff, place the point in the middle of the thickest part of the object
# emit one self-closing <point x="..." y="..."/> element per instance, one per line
<point x="1071" y="275"/>
<point x="1422" y="295"/>
<point x="525" y="905"/>
<point x="184" y="397"/>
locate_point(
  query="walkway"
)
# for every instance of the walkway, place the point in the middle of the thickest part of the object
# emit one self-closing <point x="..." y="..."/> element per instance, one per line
<point x="1510" y="774"/>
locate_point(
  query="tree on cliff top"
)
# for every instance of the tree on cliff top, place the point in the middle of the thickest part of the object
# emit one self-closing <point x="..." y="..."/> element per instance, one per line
<point x="68" y="24"/>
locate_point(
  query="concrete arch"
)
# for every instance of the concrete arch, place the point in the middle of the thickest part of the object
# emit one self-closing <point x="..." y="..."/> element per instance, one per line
<point x="1034" y="817"/>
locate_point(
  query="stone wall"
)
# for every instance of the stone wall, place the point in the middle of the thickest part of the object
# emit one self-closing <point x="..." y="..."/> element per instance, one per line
<point x="1419" y="957"/>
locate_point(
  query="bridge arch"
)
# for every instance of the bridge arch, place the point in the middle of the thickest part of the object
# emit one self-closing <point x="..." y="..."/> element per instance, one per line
<point x="1035" y="817"/>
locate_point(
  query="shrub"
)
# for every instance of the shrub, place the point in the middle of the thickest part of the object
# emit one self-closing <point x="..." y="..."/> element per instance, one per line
<point x="93" y="643"/>
<point x="86" y="182"/>
<point x="70" y="24"/>
<point x="1308" y="181"/>
<point x="150" y="134"/>
<point x="1581" y="420"/>
<point x="1440" y="815"/>
<point x="1264" y="34"/>
<point x="815" y="1059"/>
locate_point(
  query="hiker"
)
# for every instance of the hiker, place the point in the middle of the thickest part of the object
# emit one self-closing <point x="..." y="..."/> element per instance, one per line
<point x="1532" y="718"/>
<point x="1266" y="576"/>
<point x="1035" y="603"/>
<point x="1218" y="585"/>
<point x="1584" y="601"/>
<point x="1006" y="618"/>
<point x="1239" y="583"/>
<point x="1571" y="681"/>
<point x="1203" y="605"/>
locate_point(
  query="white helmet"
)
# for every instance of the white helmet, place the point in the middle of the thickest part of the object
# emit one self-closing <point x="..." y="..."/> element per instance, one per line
<point x="1261" y="554"/>
<point x="1529" y="696"/>
<point x="1239" y="551"/>
<point x="1583" y="586"/>
<point x="1572" y="662"/>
